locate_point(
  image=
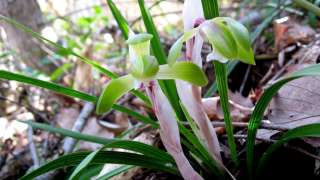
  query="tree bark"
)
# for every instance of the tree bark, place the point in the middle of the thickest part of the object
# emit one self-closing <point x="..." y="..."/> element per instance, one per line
<point x="27" y="48"/>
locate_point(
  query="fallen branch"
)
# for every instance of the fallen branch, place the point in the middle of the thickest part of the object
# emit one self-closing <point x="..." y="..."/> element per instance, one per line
<point x="33" y="149"/>
<point x="69" y="143"/>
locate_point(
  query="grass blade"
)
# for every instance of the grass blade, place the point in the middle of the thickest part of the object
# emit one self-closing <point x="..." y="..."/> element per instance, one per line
<point x="211" y="10"/>
<point x="199" y="149"/>
<point x="116" y="171"/>
<point x="47" y="85"/>
<point x="103" y="158"/>
<point x="108" y="143"/>
<point x="142" y="118"/>
<point x="311" y="130"/>
<point x="72" y="93"/>
<point x="121" y="21"/>
<point x="84" y="163"/>
<point x="308" y="6"/>
<point x="94" y="64"/>
<point x="262" y="104"/>
<point x="221" y="79"/>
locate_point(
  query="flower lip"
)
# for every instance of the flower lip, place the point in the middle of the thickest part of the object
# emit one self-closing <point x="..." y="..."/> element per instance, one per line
<point x="139" y="38"/>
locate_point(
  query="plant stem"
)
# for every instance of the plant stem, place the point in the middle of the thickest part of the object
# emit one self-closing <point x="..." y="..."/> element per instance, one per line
<point x="221" y="79"/>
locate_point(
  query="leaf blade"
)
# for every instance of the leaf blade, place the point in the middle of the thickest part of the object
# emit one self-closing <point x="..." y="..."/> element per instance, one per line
<point x="102" y="158"/>
<point x="257" y="115"/>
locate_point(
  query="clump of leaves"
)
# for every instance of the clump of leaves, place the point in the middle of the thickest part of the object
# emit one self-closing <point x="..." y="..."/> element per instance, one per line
<point x="172" y="102"/>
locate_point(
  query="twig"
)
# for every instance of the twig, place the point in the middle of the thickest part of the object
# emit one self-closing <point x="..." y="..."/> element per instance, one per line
<point x="33" y="149"/>
<point x="245" y="79"/>
<point x="243" y="136"/>
<point x="263" y="125"/>
<point x="69" y="143"/>
<point x="133" y="22"/>
<point x="303" y="151"/>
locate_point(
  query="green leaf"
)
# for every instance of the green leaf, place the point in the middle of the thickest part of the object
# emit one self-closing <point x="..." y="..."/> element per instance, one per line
<point x="103" y="158"/>
<point x="186" y="71"/>
<point x="176" y="48"/>
<point x="222" y="82"/>
<point x="311" y="130"/>
<point x="90" y="172"/>
<point x="72" y="93"/>
<point x="210" y="8"/>
<point x="308" y="6"/>
<point x="121" y="21"/>
<point x="201" y="151"/>
<point x="257" y="114"/>
<point x="47" y="85"/>
<point x="113" y="91"/>
<point x="108" y="143"/>
<point x="115" y="172"/>
<point x="144" y="119"/>
<point x="59" y="71"/>
<point x="84" y="163"/>
<point x="94" y="64"/>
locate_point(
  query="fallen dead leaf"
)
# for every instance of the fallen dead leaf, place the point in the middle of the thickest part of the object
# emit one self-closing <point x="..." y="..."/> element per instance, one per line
<point x="214" y="111"/>
<point x="297" y="104"/>
<point x="288" y="32"/>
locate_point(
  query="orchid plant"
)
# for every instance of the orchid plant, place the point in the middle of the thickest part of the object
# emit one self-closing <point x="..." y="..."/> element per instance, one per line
<point x="194" y="153"/>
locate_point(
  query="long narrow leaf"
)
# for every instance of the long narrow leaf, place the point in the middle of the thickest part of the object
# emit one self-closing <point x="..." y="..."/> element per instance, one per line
<point x="311" y="130"/>
<point x="84" y="163"/>
<point x="70" y="92"/>
<point x="122" y="23"/>
<point x="262" y="104"/>
<point x="211" y="10"/>
<point x="221" y="78"/>
<point x="47" y="85"/>
<point x="115" y="172"/>
<point x="103" y="158"/>
<point x="108" y="143"/>
<point x="56" y="45"/>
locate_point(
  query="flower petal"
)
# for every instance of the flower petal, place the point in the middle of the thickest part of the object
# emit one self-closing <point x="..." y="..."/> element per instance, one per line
<point x="176" y="48"/>
<point x="220" y="38"/>
<point x="186" y="71"/>
<point x="113" y="91"/>
<point x="192" y="10"/>
<point x="242" y="37"/>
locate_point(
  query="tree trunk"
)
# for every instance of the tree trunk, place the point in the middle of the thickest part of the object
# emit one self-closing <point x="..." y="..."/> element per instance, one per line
<point x="27" y="48"/>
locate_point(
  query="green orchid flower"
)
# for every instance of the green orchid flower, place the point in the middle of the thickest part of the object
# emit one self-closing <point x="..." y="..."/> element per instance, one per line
<point x="229" y="39"/>
<point x="144" y="68"/>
